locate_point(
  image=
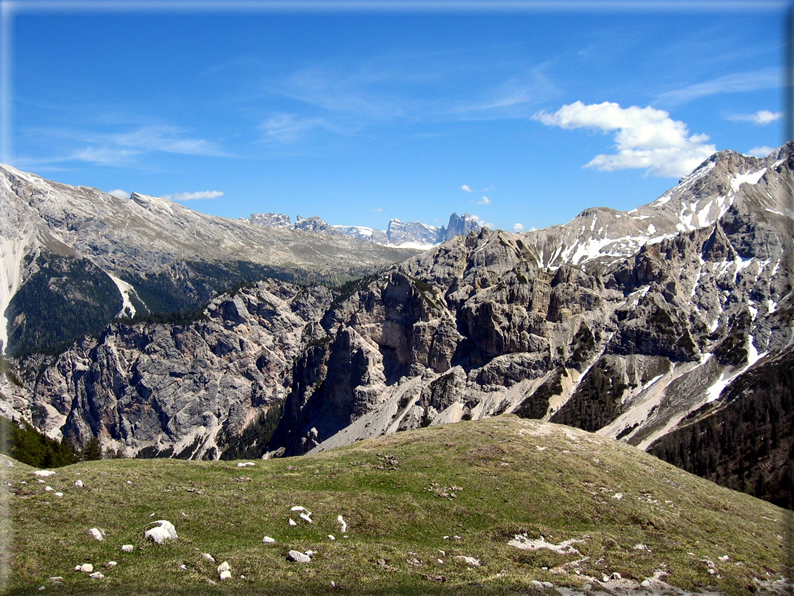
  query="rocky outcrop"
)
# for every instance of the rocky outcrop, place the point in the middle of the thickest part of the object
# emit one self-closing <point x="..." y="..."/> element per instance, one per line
<point x="160" y="389"/>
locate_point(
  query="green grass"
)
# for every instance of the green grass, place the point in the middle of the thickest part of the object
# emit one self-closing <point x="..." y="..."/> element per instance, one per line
<point x="508" y="476"/>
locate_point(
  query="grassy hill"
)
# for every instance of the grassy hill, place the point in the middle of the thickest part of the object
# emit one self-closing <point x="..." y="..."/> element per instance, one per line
<point x="413" y="502"/>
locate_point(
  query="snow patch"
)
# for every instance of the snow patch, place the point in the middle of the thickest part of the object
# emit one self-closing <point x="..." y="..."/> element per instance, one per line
<point x="751" y="178"/>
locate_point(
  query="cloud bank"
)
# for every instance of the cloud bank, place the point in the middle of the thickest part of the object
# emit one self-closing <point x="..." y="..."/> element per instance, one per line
<point x="120" y="194"/>
<point x="645" y="138"/>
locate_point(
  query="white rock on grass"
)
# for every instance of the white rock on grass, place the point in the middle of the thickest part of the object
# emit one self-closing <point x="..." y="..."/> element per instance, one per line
<point x="48" y="489"/>
<point x="165" y="531"/>
<point x="268" y="540"/>
<point x="96" y="534"/>
<point x="78" y="483"/>
<point x="299" y="508"/>
<point x="85" y="568"/>
<point x="292" y="522"/>
<point x="298" y="557"/>
<point x="225" y="575"/>
<point x="127" y="548"/>
<point x="209" y="557"/>
<point x="306" y="517"/>
<point x="44" y="473"/>
<point x="96" y="575"/>
<point x="224" y="567"/>
<point x="245" y="463"/>
<point x="470" y="561"/>
<point x="58" y="494"/>
<point x="111" y="564"/>
<point x="342" y="523"/>
<point x="331" y="537"/>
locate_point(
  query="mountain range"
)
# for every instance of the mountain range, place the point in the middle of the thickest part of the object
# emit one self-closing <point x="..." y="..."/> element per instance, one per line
<point x="667" y="326"/>
<point x="411" y="234"/>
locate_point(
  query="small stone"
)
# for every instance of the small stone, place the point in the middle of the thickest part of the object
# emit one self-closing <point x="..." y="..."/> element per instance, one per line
<point x="342" y="524"/>
<point x="298" y="557"/>
<point x="224" y="575"/>
<point x="616" y="575"/>
<point x="78" y="567"/>
<point x="646" y="584"/>
<point x="330" y="537"/>
<point x="42" y="588"/>
<point x="78" y="483"/>
<point x="309" y="553"/>
<point x="725" y="558"/>
<point x="183" y="567"/>
<point x="58" y="494"/>
<point x="111" y="564"/>
<point x="306" y="517"/>
<point x="127" y="548"/>
<point x="212" y="583"/>
<point x="86" y="568"/>
<point x="209" y="557"/>
<point x="292" y="522"/>
<point x="470" y="561"/>
<point x="268" y="540"/>
<point x="44" y="473"/>
<point x="604" y="578"/>
<point x="48" y="489"/>
<point x="224" y="567"/>
<point x="95" y="533"/>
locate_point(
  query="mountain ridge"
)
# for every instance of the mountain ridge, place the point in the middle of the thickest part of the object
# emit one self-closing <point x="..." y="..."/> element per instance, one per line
<point x="599" y="324"/>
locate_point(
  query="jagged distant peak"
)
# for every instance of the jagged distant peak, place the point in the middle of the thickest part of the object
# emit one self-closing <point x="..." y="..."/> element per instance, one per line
<point x="410" y="234"/>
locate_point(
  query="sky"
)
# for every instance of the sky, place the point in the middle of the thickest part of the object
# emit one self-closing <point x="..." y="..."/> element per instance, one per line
<point x="521" y="113"/>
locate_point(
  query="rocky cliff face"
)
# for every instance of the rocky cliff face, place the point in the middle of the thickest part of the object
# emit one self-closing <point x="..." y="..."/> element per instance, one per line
<point x="170" y="389"/>
<point x="614" y="328"/>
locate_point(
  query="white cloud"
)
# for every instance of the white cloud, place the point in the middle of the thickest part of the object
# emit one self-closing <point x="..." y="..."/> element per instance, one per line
<point x="121" y="194"/>
<point x="193" y="196"/>
<point x="645" y="138"/>
<point x="482" y="222"/>
<point x="517" y="227"/>
<point x="766" y="78"/>
<point x="761" y="151"/>
<point x="484" y="201"/>
<point x="121" y="148"/>
<point x="286" y="128"/>
<point x="377" y="210"/>
<point x="761" y="117"/>
<point x="467" y="188"/>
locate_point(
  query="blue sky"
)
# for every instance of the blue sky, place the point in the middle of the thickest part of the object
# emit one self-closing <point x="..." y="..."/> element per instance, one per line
<point x="523" y="116"/>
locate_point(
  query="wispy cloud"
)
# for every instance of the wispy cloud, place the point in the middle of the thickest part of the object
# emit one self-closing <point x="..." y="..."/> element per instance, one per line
<point x="377" y="210"/>
<point x="288" y="128"/>
<point x="193" y="196"/>
<point x="484" y="201"/>
<point x="761" y="117"/>
<point x="467" y="188"/>
<point x="517" y="227"/>
<point x="121" y="148"/>
<point x="645" y="138"/>
<point x="766" y="78"/>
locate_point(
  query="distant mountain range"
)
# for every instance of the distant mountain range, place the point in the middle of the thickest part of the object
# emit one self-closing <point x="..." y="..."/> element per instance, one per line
<point x="668" y="326"/>
<point x="412" y="234"/>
